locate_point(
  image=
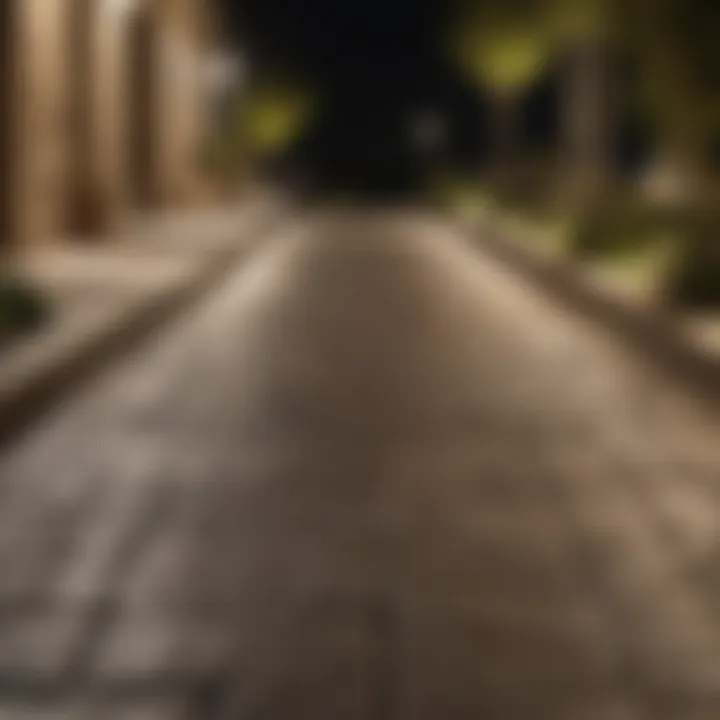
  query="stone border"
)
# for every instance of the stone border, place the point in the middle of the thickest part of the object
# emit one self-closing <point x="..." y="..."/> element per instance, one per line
<point x="56" y="381"/>
<point x="655" y="335"/>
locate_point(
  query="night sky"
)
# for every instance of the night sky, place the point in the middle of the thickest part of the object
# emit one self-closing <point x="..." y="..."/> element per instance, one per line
<point x="377" y="63"/>
<point x="342" y="42"/>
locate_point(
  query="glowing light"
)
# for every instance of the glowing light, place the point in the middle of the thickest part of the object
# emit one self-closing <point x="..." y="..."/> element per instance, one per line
<point x="428" y="131"/>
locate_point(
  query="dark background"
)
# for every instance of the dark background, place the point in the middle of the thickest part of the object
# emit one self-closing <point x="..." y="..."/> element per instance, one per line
<point x="376" y="63"/>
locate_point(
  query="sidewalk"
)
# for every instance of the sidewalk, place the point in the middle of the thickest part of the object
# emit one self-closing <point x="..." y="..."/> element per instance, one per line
<point x="106" y="295"/>
<point x="624" y="298"/>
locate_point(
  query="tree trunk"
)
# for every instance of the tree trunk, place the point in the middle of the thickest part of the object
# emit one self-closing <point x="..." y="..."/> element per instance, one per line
<point x="589" y="127"/>
<point x="695" y="282"/>
<point x="506" y="141"/>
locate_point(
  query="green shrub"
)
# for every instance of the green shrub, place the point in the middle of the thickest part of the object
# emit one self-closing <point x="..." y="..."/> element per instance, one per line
<point x="694" y="281"/>
<point x="619" y="229"/>
<point x="22" y="308"/>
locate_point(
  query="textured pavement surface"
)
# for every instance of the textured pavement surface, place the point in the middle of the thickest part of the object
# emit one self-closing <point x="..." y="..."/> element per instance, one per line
<point x="93" y="286"/>
<point x="374" y="476"/>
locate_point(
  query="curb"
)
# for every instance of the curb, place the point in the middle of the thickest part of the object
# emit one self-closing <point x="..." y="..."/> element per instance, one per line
<point x="652" y="334"/>
<point x="45" y="390"/>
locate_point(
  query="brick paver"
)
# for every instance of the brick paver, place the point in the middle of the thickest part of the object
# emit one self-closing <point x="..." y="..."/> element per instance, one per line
<point x="375" y="476"/>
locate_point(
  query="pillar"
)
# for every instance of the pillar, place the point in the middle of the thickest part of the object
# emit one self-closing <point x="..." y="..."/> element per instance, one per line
<point x="180" y="98"/>
<point x="86" y="205"/>
<point x="142" y="127"/>
<point x="40" y="138"/>
<point x="8" y="34"/>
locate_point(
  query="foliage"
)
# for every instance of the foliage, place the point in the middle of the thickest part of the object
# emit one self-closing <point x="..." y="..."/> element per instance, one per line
<point x="457" y="192"/>
<point x="275" y="113"/>
<point x="503" y="61"/>
<point x="676" y="44"/>
<point x="574" y="21"/>
<point x="502" y="45"/>
<point x="21" y="306"/>
<point x="694" y="281"/>
<point x="261" y="123"/>
<point x="618" y="228"/>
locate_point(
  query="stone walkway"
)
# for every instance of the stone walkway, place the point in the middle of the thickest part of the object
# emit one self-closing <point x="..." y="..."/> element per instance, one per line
<point x="373" y="477"/>
<point x="94" y="289"/>
<point x="635" y="283"/>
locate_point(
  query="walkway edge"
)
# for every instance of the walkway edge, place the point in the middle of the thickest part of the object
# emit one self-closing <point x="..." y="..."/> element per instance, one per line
<point x="653" y="334"/>
<point x="54" y="382"/>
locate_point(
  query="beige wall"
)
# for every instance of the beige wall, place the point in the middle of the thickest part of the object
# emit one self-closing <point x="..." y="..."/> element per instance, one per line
<point x="184" y="43"/>
<point x="7" y="125"/>
<point x="42" y="101"/>
<point x="179" y="113"/>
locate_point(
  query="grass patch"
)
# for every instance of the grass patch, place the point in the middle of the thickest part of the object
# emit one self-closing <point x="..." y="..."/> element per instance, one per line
<point x="623" y="231"/>
<point x="457" y="194"/>
<point x="675" y="256"/>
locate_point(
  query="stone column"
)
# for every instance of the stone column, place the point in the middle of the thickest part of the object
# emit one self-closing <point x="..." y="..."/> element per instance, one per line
<point x="149" y="103"/>
<point x="86" y="205"/>
<point x="180" y="100"/>
<point x="41" y="137"/>
<point x="111" y="99"/>
<point x="8" y="104"/>
<point x="142" y="128"/>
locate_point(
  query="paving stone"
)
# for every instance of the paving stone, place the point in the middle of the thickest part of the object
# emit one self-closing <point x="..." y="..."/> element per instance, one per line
<point x="37" y="711"/>
<point x="162" y="709"/>
<point x="36" y="643"/>
<point x="373" y="476"/>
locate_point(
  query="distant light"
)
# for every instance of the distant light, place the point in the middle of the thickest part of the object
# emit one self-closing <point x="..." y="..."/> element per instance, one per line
<point x="224" y="71"/>
<point x="428" y="131"/>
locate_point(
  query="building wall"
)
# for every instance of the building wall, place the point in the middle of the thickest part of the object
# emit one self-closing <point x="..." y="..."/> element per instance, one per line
<point x="46" y="143"/>
<point x="7" y="123"/>
<point x="109" y="49"/>
<point x="42" y="118"/>
<point x="181" y="108"/>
